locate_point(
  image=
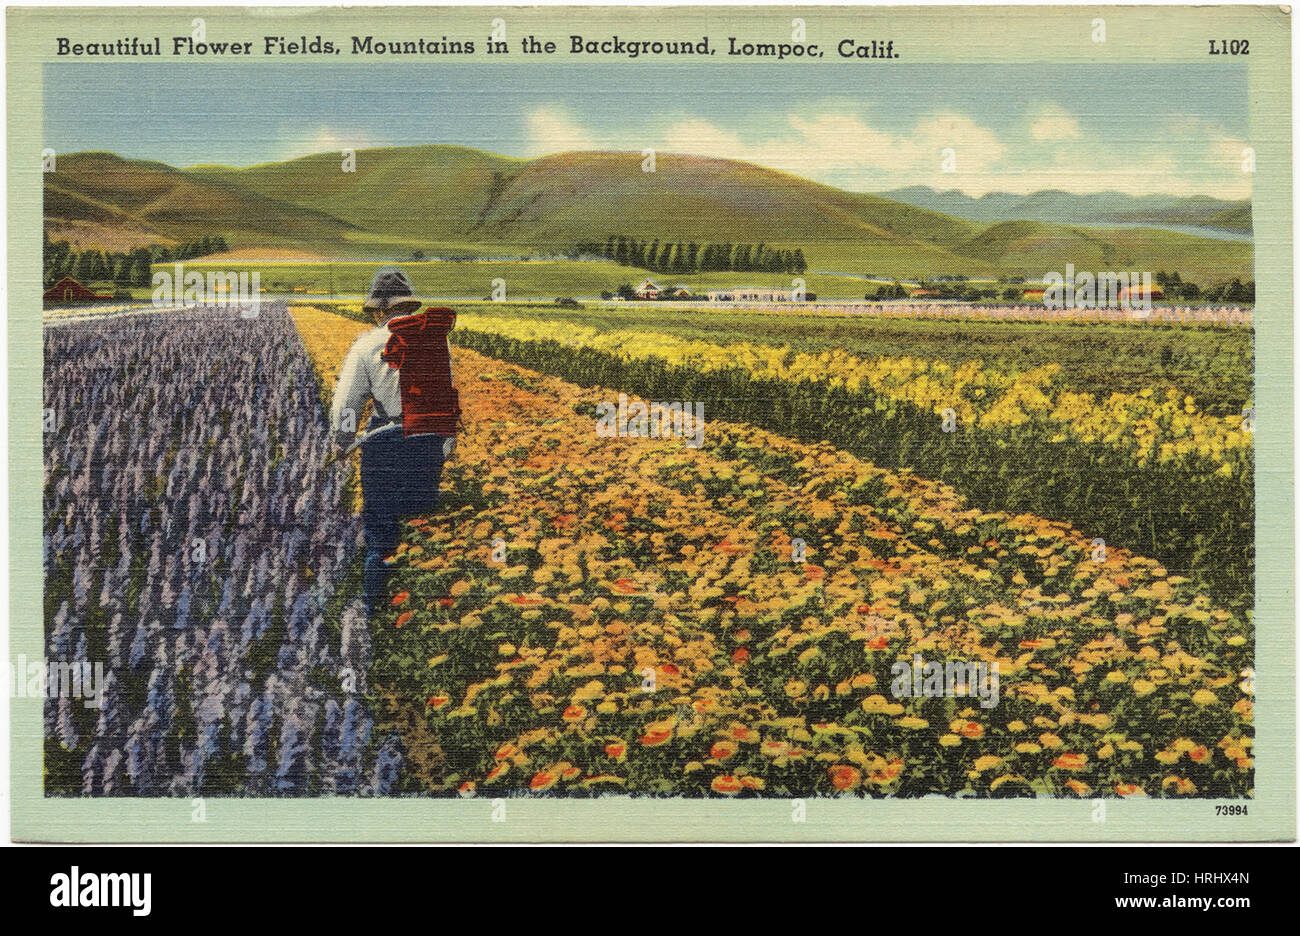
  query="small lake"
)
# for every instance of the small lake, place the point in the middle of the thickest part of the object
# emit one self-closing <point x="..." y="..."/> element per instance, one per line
<point x="1244" y="237"/>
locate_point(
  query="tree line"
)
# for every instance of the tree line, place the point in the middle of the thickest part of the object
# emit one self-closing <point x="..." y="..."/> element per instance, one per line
<point x="691" y="257"/>
<point x="1175" y="287"/>
<point x="132" y="268"/>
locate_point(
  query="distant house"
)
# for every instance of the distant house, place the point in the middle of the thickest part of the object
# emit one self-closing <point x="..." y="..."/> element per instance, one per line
<point x="751" y="294"/>
<point x="69" y="290"/>
<point x="1126" y="295"/>
<point x="682" y="293"/>
<point x="648" y="290"/>
<point x="922" y="293"/>
<point x="1137" y="293"/>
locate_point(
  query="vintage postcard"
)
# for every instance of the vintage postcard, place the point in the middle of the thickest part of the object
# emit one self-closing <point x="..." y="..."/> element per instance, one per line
<point x="651" y="423"/>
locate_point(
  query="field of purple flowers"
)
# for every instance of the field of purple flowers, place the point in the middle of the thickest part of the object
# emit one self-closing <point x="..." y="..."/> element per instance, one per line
<point x="194" y="546"/>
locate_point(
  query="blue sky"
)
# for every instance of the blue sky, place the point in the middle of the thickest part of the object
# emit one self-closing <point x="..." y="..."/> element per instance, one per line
<point x="1140" y="129"/>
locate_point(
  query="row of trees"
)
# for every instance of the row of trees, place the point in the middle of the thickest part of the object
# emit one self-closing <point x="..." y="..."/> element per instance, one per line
<point x="946" y="290"/>
<point x="1235" y="292"/>
<point x="1171" y="284"/>
<point x="122" y="269"/>
<point x="691" y="257"/>
<point x="886" y="292"/>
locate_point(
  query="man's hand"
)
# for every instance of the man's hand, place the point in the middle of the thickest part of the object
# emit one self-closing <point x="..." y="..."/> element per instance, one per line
<point x="338" y="448"/>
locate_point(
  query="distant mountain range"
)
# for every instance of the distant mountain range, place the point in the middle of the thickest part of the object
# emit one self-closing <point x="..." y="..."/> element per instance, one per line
<point x="1097" y="208"/>
<point x="453" y="201"/>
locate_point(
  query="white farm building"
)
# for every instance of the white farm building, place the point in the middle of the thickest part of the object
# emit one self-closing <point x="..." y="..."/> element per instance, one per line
<point x="751" y="294"/>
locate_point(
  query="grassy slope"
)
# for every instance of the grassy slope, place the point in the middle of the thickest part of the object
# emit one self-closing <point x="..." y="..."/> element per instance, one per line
<point x="165" y="204"/>
<point x="1197" y="211"/>
<point x="429" y="193"/>
<point x="571" y="195"/>
<point x="451" y="194"/>
<point x="448" y="199"/>
<point x="454" y="195"/>
<point x="1032" y="248"/>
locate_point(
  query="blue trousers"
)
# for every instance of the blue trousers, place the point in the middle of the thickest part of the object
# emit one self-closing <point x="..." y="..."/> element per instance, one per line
<point x="399" y="479"/>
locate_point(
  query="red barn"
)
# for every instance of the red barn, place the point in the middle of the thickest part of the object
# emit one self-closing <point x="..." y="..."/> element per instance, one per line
<point x="69" y="290"/>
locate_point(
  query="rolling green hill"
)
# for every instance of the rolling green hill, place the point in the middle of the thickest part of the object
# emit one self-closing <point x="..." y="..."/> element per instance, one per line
<point x="451" y="195"/>
<point x="1033" y="247"/>
<point x="426" y="193"/>
<point x="448" y="200"/>
<point x="572" y="195"/>
<point x="97" y="194"/>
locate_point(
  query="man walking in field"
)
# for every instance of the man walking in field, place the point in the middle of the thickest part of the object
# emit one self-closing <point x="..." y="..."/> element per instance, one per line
<point x="402" y="366"/>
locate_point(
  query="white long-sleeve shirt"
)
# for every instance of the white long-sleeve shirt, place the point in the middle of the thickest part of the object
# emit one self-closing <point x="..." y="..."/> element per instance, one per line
<point x="365" y="375"/>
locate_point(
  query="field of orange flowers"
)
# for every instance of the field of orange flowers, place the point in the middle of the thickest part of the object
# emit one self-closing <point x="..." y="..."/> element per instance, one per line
<point x="623" y="614"/>
<point x="1147" y="469"/>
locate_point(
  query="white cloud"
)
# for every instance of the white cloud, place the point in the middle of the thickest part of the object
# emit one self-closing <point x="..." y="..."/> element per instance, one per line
<point x="844" y="148"/>
<point x="835" y="144"/>
<point x="1230" y="153"/>
<point x="1054" y="124"/>
<point x="703" y="138"/>
<point x="299" y="142"/>
<point x="554" y="130"/>
<point x="976" y="148"/>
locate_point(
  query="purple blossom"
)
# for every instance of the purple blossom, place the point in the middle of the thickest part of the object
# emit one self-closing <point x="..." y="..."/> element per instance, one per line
<point x="181" y="511"/>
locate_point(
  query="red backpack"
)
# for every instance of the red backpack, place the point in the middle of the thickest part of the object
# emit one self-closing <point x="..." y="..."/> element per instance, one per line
<point x="418" y="350"/>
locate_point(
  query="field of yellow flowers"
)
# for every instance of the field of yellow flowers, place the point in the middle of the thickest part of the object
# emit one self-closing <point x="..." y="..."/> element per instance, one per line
<point x="1146" y="469"/>
<point x="631" y="615"/>
<point x="1150" y="428"/>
